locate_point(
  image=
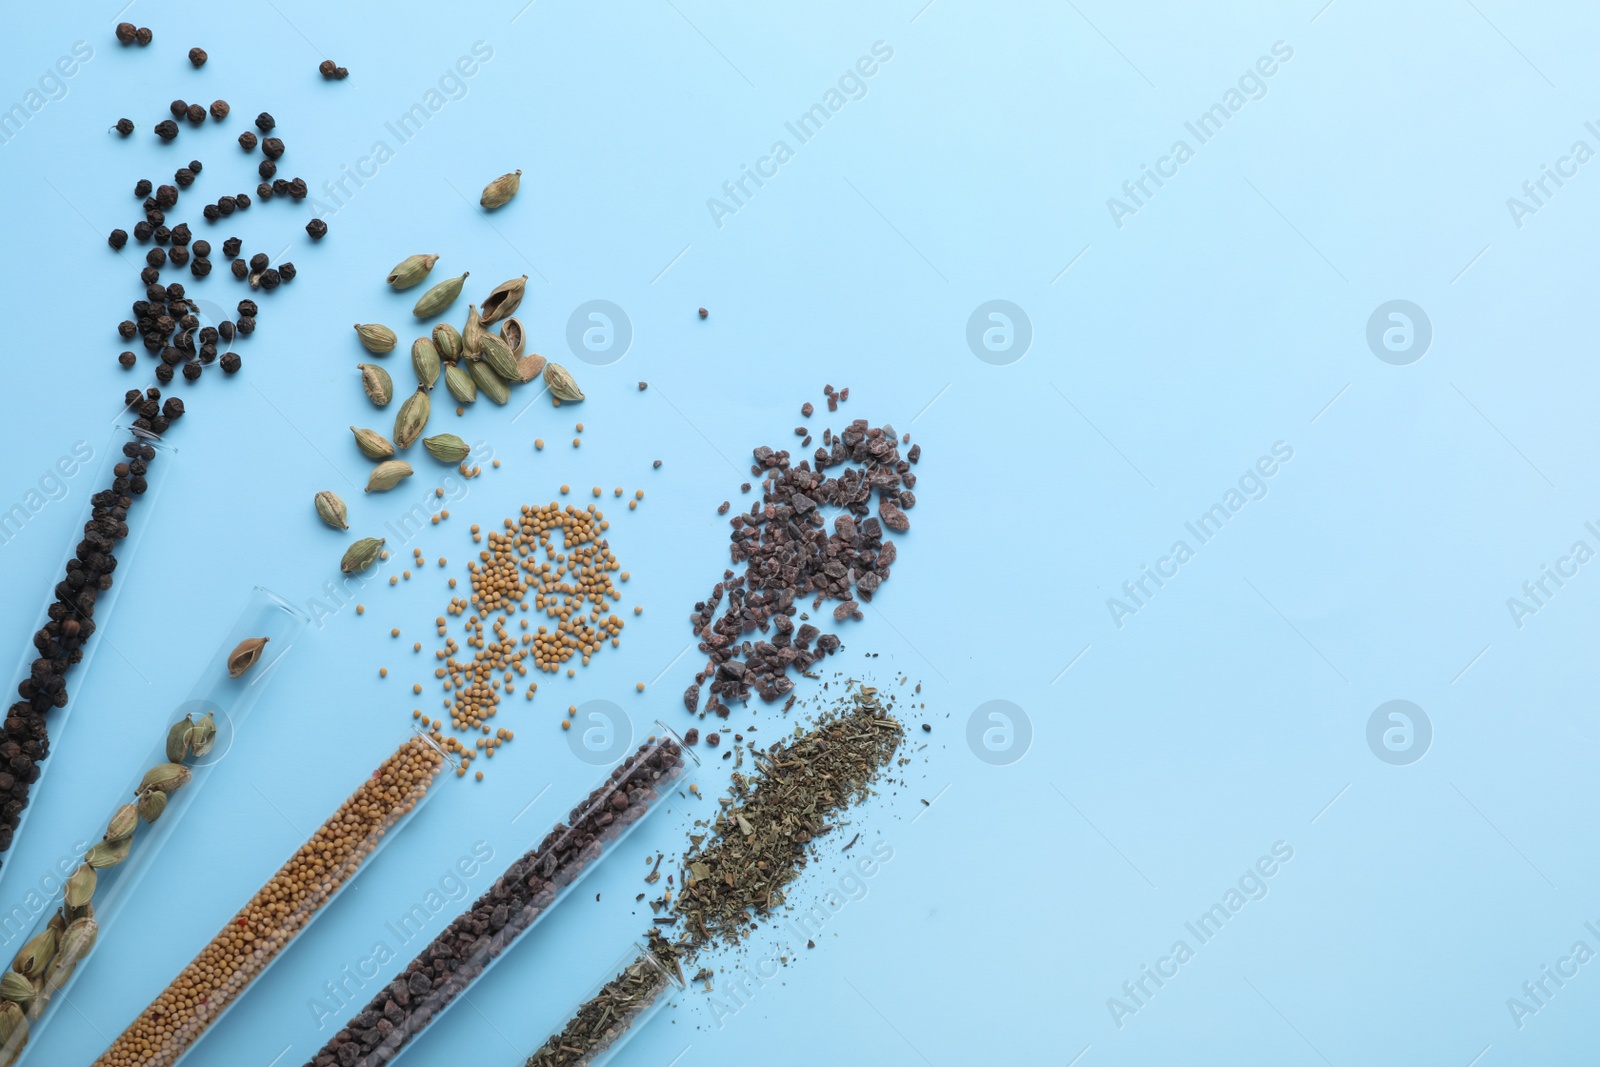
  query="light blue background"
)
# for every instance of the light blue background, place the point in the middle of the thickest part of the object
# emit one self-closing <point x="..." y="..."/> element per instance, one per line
<point x="1229" y="313"/>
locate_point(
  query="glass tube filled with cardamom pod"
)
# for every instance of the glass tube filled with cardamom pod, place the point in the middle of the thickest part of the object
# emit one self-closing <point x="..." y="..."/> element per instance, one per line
<point x="104" y="868"/>
<point x="112" y="485"/>
<point x="520" y="898"/>
<point x="641" y="983"/>
<point x="256" y="936"/>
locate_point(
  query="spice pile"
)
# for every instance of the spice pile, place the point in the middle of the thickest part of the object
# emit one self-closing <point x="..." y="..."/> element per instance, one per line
<point x="254" y="937"/>
<point x="787" y="553"/>
<point x="452" y="961"/>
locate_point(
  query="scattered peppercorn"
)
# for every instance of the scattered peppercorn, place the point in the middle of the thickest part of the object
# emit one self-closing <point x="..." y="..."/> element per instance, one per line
<point x="118" y="238"/>
<point x="231" y="246"/>
<point x="126" y="32"/>
<point x="142" y="187"/>
<point x="219" y="109"/>
<point x="196" y="114"/>
<point x="124" y="126"/>
<point x="230" y="363"/>
<point x="183" y="176"/>
<point x="267" y="168"/>
<point x="166" y="129"/>
<point x="247" y="141"/>
<point x="143" y="36"/>
<point x="286" y="271"/>
<point x="239" y="268"/>
<point x="272" y="147"/>
<point x="265" y="122"/>
<point x="127" y="359"/>
<point x="197" y="56"/>
<point x="178" y="108"/>
<point x="202" y="247"/>
<point x="316" y="228"/>
<point x="704" y="313"/>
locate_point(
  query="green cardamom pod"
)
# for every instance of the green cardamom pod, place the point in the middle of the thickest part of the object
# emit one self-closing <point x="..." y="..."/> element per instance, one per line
<point x="108" y="853"/>
<point x="413" y="417"/>
<point x="376" y="338"/>
<point x="460" y="384"/>
<point x="178" y="739"/>
<point x="530" y="366"/>
<point x="503" y="300"/>
<point x="515" y="337"/>
<point x="361" y="555"/>
<point x="447" y="339"/>
<point x="439" y="297"/>
<point x="373" y="444"/>
<point x="499" y="192"/>
<point x="562" y="387"/>
<point x="77" y="941"/>
<point x="472" y="334"/>
<point x="123" y="822"/>
<point x="37" y="953"/>
<point x="488" y="382"/>
<point x="151" y="805"/>
<point x="388" y="474"/>
<point x="244" y="656"/>
<point x="330" y="509"/>
<point x="165" y="777"/>
<point x="204" y="735"/>
<point x="425" y="361"/>
<point x="497" y="354"/>
<point x="411" y="270"/>
<point x="80" y="890"/>
<point x="447" y="447"/>
<point x="13" y="1026"/>
<point x="15" y="987"/>
<point x="376" y="381"/>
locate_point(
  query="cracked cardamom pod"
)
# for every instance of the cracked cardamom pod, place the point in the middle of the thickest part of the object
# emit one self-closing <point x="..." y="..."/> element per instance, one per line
<point x="472" y="334"/>
<point x="165" y="778"/>
<point x="503" y="300"/>
<point x="488" y="382"/>
<point x="108" y="853"/>
<point x="373" y="444"/>
<point x="122" y="824"/>
<point x="425" y="361"/>
<point x="413" y="418"/>
<point x="499" y="192"/>
<point x="13" y="1025"/>
<point x="411" y="270"/>
<point x="446" y="447"/>
<point x="243" y="657"/>
<point x="36" y="954"/>
<point x="439" y="297"/>
<point x="530" y="366"/>
<point x="77" y="941"/>
<point x="388" y="474"/>
<point x="16" y="987"/>
<point x="376" y="338"/>
<point x="460" y="384"/>
<point x="497" y="354"/>
<point x="151" y="805"/>
<point x="361" y="555"/>
<point x="330" y="509"/>
<point x="562" y="387"/>
<point x="515" y="337"/>
<point x="377" y="383"/>
<point x="80" y="890"/>
<point x="447" y="339"/>
<point x="204" y="735"/>
<point x="178" y="739"/>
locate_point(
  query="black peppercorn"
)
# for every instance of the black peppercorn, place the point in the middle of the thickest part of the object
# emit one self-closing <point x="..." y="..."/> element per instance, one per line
<point x="270" y="279"/>
<point x="316" y="228"/>
<point x="156" y="258"/>
<point x="248" y="306"/>
<point x="196" y="114"/>
<point x="195" y="165"/>
<point x="219" y="109"/>
<point x="239" y="269"/>
<point x="267" y="168"/>
<point x="246" y="325"/>
<point x="247" y="141"/>
<point x="200" y="267"/>
<point x="207" y="353"/>
<point x="197" y="56"/>
<point x="241" y="200"/>
<point x="225" y="329"/>
<point x="227" y="205"/>
<point x="286" y="271"/>
<point x="202" y="248"/>
<point x="160" y="425"/>
<point x="166" y="129"/>
<point x="148" y="275"/>
<point x="272" y="147"/>
<point x="258" y="263"/>
<point x="210" y="213"/>
<point x="171" y="357"/>
<point x="127" y="359"/>
<point x="191" y="373"/>
<point x="327" y="67"/>
<point x="143" y="36"/>
<point x="208" y="335"/>
<point x="180" y="234"/>
<point x="265" y="122"/>
<point x="179" y="255"/>
<point x="124" y="126"/>
<point x="132" y="397"/>
<point x="142" y="187"/>
<point x="281" y="186"/>
<point x="173" y="408"/>
<point x="126" y="32"/>
<point x="155" y="216"/>
<point x="178" y="108"/>
<point x="297" y="188"/>
<point x="149" y="204"/>
<point x="230" y="247"/>
<point x="163" y="373"/>
<point x="341" y="73"/>
<point x="175" y="291"/>
<point x="166" y="195"/>
<point x="142" y="231"/>
<point x="264" y="191"/>
<point x="161" y="235"/>
<point x="184" y="177"/>
<point x="126" y="328"/>
<point x="118" y="238"/>
<point x="230" y="363"/>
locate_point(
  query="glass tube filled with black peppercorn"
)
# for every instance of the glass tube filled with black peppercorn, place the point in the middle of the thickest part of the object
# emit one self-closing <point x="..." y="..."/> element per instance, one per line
<point x="114" y="483"/>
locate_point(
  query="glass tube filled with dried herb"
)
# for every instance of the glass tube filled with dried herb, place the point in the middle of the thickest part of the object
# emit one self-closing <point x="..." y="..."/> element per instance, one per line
<point x="255" y="937"/>
<point x="114" y="485"/>
<point x="641" y="984"/>
<point x="519" y="898"/>
<point x="186" y="748"/>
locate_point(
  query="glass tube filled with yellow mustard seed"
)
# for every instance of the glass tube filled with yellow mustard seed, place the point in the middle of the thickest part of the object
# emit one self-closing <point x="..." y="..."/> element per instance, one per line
<point x="280" y="911"/>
